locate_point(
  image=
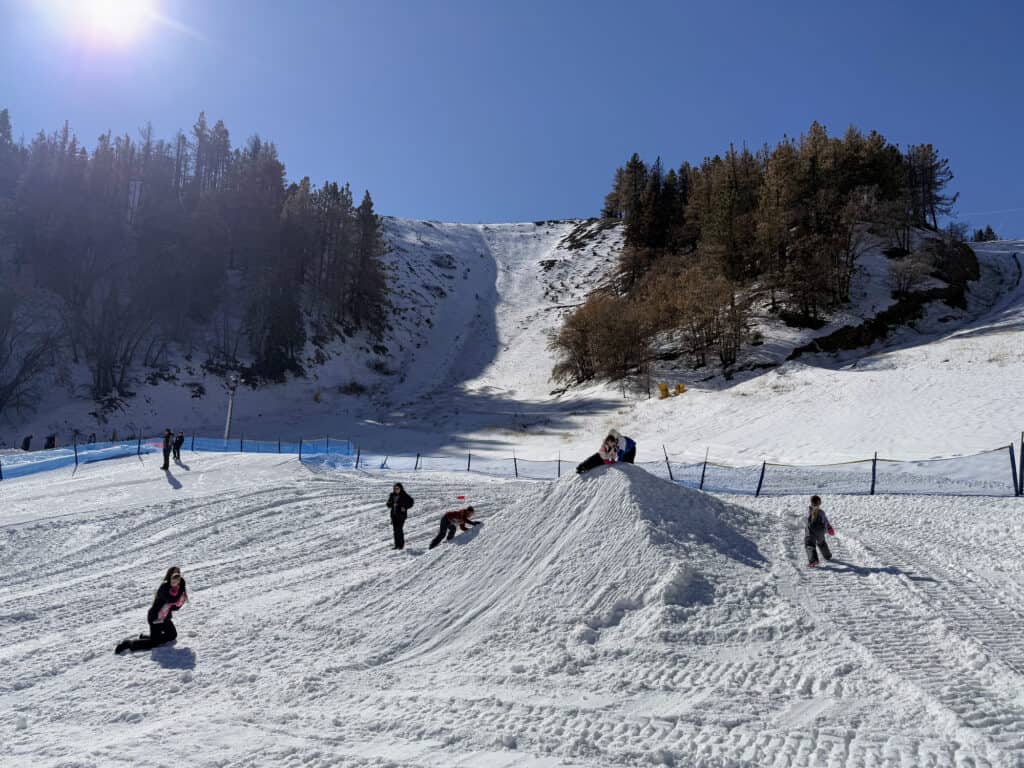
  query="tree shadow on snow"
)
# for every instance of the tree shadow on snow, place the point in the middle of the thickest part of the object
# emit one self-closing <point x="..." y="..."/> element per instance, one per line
<point x="840" y="566"/>
<point x="171" y="657"/>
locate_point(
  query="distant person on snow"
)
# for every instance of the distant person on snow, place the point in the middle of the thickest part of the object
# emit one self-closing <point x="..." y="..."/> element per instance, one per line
<point x="168" y="443"/>
<point x="399" y="502"/>
<point x="176" y="445"/>
<point x="26" y="442"/>
<point x="608" y="454"/>
<point x="51" y="442"/>
<point x="449" y="521"/>
<point x="170" y="596"/>
<point x="817" y="526"/>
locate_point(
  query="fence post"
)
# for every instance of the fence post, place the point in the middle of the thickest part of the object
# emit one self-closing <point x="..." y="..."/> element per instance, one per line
<point x="138" y="451"/>
<point x="1013" y="469"/>
<point x="279" y="445"/>
<point x="874" y="467"/>
<point x="667" y="463"/>
<point x="417" y="464"/>
<point x="559" y="463"/>
<point x="328" y="449"/>
<point x="705" y="469"/>
<point x="1020" y="482"/>
<point x="515" y="464"/>
<point x="193" y="448"/>
<point x="469" y="459"/>
<point x="761" y="479"/>
<point x="358" y="453"/>
<point x="241" y="443"/>
<point x="1" y="470"/>
<point x="74" y="439"/>
<point x="300" y="449"/>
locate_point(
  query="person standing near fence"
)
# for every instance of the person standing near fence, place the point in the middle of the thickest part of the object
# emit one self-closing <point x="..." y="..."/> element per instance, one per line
<point x="168" y="442"/>
<point x="26" y="442"/>
<point x="399" y="502"/>
<point x="170" y="596"/>
<point x="814" y="538"/>
<point x="176" y="445"/>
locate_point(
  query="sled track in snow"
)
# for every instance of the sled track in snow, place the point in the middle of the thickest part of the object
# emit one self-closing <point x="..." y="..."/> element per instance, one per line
<point x="912" y="615"/>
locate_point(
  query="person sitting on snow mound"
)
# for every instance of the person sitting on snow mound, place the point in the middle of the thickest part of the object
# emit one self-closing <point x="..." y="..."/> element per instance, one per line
<point x="616" y="447"/>
<point x="626" y="447"/>
<point x="449" y="521"/>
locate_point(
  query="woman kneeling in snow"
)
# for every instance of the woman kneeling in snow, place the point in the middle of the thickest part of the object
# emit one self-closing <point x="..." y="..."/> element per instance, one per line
<point x="170" y="596"/>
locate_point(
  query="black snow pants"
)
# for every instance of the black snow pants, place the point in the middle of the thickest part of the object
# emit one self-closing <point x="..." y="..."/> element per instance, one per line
<point x="591" y="462"/>
<point x="398" y="524"/>
<point x="447" y="527"/>
<point x="815" y="540"/>
<point x="167" y="458"/>
<point x="159" y="634"/>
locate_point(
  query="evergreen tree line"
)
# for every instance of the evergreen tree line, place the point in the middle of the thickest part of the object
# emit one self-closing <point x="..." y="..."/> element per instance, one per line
<point x="785" y="222"/>
<point x="146" y="242"/>
<point x="985" y="235"/>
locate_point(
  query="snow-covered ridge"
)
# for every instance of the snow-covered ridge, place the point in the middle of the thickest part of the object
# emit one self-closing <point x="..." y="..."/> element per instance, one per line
<point x="466" y="365"/>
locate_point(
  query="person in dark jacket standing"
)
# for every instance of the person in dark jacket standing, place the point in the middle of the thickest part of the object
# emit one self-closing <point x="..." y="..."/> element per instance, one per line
<point x="399" y="502"/>
<point x="176" y="445"/>
<point x="26" y="442"/>
<point x="449" y="521"/>
<point x="168" y="444"/>
<point x="814" y="539"/>
<point x="170" y="596"/>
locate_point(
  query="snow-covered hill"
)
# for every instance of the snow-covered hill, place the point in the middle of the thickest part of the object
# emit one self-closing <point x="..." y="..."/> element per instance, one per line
<point x="612" y="619"/>
<point x="466" y="366"/>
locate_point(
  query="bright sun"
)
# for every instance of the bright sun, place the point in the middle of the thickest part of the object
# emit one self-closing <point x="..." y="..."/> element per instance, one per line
<point x="105" y="22"/>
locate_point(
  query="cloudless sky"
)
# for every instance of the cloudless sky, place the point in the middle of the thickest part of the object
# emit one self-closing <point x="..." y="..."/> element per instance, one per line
<point x="478" y="111"/>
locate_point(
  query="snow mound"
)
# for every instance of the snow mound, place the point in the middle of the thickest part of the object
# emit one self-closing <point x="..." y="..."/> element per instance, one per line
<point x="616" y="551"/>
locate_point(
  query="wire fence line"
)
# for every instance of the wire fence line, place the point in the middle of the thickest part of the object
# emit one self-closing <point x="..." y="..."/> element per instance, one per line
<point x="989" y="473"/>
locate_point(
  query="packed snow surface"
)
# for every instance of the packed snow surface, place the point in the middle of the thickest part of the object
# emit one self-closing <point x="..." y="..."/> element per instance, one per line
<point x="607" y="619"/>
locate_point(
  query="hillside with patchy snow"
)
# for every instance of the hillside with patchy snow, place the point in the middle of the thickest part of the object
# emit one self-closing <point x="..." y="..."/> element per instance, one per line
<point x="466" y="366"/>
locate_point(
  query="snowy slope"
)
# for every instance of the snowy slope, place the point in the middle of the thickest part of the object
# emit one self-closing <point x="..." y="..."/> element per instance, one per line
<point x="466" y="365"/>
<point x="611" y="619"/>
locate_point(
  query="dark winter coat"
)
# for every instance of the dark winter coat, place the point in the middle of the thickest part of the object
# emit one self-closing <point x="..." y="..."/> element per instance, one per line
<point x="399" y="502"/>
<point x="179" y="441"/>
<point x="818" y="524"/>
<point x="168" y="440"/>
<point x="165" y="602"/>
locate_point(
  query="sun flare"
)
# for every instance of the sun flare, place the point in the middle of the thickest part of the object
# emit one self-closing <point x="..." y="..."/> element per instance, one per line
<point x="104" y="22"/>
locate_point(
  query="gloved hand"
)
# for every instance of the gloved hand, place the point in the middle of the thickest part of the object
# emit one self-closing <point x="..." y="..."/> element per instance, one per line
<point x="831" y="531"/>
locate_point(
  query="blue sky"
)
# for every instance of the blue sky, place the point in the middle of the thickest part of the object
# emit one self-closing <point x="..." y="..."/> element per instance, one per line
<point x="518" y="111"/>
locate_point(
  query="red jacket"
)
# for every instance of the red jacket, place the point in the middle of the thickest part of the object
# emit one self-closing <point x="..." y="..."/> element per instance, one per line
<point x="460" y="516"/>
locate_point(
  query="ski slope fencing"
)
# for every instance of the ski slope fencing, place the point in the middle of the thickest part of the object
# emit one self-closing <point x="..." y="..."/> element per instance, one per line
<point x="990" y="473"/>
<point x="21" y="464"/>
